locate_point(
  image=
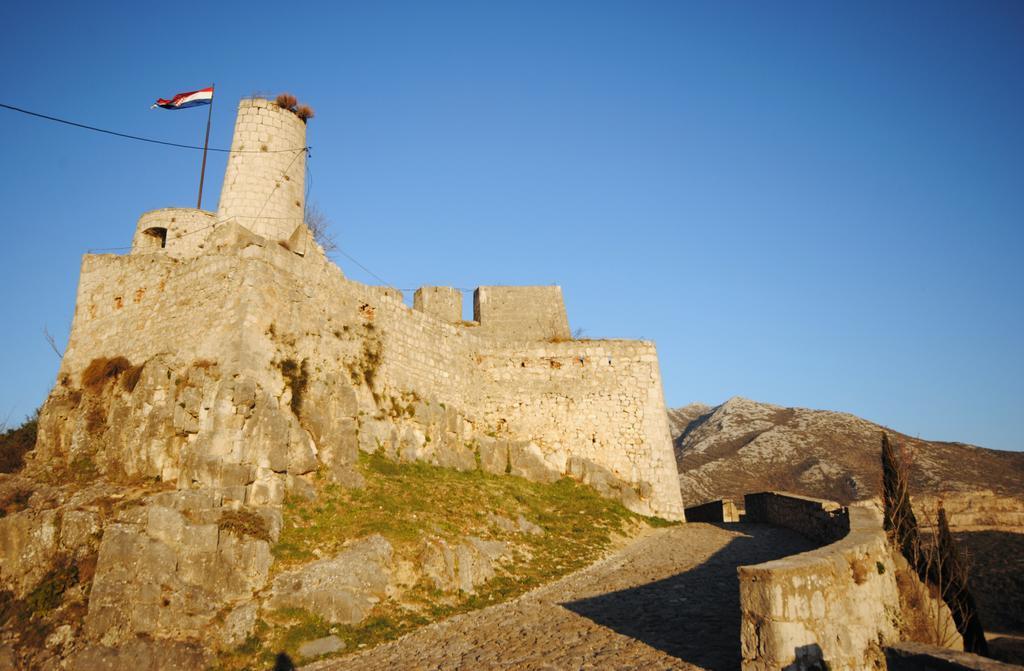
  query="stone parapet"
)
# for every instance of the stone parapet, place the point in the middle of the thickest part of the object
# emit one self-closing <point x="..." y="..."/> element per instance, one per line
<point x="834" y="607"/>
<point x="445" y="303"/>
<point x="714" y="512"/>
<point x="820" y="520"/>
<point x="521" y="313"/>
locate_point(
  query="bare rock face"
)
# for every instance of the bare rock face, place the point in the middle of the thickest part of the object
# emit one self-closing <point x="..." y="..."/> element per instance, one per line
<point x="744" y="446"/>
<point x="464" y="567"/>
<point x="527" y="461"/>
<point x="28" y="546"/>
<point x="342" y="589"/>
<point x="605" y="482"/>
<point x="169" y="571"/>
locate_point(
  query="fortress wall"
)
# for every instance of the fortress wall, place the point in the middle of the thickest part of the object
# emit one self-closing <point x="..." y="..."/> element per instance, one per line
<point x="521" y="313"/>
<point x="833" y="607"/>
<point x="332" y="320"/>
<point x="594" y="409"/>
<point x="600" y="401"/>
<point x="265" y="180"/>
<point x="140" y="306"/>
<point x="608" y="409"/>
<point x="185" y="231"/>
<point x="445" y="303"/>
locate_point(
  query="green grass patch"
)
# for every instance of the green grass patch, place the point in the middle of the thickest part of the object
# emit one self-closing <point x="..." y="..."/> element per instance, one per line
<point x="404" y="502"/>
<point x="407" y="502"/>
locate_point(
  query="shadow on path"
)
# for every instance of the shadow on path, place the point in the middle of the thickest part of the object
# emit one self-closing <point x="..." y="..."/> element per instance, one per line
<point x="695" y="615"/>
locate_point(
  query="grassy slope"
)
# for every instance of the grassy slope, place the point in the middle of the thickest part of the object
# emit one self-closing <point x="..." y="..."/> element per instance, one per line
<point x="408" y="502"/>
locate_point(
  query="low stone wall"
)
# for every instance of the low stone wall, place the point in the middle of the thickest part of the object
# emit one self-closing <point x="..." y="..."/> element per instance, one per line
<point x="818" y="519"/>
<point x="922" y="657"/>
<point x="722" y="510"/>
<point x="834" y="607"/>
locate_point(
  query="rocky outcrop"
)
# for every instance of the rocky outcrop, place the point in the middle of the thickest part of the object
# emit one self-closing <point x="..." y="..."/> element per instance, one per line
<point x="342" y="589"/>
<point x="168" y="568"/>
<point x="463" y="566"/>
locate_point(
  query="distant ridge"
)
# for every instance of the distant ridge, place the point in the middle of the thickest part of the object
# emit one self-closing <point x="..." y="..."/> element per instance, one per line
<point x="745" y="446"/>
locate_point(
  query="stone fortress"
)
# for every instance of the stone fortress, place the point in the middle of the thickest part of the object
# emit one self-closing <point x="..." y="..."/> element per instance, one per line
<point x="226" y="364"/>
<point x="261" y="361"/>
<point x="229" y="364"/>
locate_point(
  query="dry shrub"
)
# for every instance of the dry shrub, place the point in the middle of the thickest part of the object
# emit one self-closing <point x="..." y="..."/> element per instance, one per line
<point x="296" y="376"/>
<point x="16" y="443"/>
<point x="14" y="501"/>
<point x="102" y="369"/>
<point x="319" y="226"/>
<point x="938" y="562"/>
<point x="131" y="378"/>
<point x="286" y="101"/>
<point x="304" y="112"/>
<point x="244" y="523"/>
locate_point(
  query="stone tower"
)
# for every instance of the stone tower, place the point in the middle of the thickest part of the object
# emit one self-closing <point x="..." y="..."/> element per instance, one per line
<point x="265" y="181"/>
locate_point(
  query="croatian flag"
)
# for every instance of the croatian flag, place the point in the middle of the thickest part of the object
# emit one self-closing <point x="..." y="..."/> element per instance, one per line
<point x="188" y="99"/>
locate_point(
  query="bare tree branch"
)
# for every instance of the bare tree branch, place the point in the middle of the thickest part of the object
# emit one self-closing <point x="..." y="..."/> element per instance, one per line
<point x="318" y="224"/>
<point x="52" y="343"/>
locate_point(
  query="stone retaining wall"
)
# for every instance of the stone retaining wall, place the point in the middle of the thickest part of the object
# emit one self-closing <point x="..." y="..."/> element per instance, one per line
<point x="834" y="607"/>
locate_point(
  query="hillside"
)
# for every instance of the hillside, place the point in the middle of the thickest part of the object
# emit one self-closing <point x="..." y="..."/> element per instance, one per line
<point x="745" y="446"/>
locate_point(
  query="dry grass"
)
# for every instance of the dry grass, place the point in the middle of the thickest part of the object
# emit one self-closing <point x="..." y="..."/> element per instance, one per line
<point x="14" y="501"/>
<point x="286" y="101"/>
<point x="289" y="102"/>
<point x="244" y="523"/>
<point x="103" y="369"/>
<point x="131" y="378"/>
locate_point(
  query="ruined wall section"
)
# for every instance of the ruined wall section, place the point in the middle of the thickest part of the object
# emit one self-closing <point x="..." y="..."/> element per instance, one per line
<point x="589" y="404"/>
<point x="264" y="186"/>
<point x="521" y="313"/>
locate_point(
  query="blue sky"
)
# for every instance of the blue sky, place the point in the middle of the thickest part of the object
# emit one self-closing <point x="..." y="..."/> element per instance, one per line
<point x="816" y="204"/>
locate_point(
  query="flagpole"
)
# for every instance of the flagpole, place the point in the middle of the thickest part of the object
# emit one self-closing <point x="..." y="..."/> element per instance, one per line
<point x="206" y="143"/>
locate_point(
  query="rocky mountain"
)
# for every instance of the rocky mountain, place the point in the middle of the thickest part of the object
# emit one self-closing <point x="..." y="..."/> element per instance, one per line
<point x="745" y="446"/>
<point x="680" y="418"/>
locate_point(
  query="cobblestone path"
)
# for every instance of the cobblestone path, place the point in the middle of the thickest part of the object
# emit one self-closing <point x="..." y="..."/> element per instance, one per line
<point x="669" y="600"/>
